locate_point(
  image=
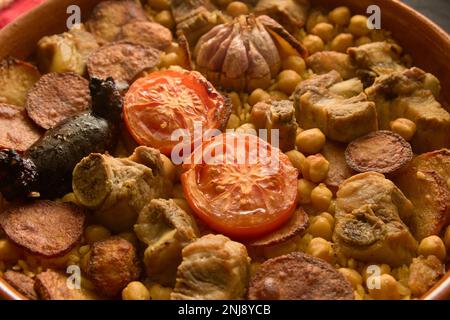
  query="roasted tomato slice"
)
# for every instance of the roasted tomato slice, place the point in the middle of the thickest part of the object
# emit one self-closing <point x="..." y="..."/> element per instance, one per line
<point x="159" y="104"/>
<point x="240" y="185"/>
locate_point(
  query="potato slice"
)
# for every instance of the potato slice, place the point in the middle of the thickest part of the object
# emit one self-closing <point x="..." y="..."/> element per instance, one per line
<point x="16" y="78"/>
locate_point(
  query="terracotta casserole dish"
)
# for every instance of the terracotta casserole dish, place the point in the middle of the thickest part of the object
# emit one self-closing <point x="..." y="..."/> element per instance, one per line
<point x="421" y="38"/>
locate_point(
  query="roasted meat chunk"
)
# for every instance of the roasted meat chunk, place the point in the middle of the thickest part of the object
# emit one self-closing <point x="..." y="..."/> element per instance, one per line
<point x="338" y="170"/>
<point x="52" y="285"/>
<point x="339" y="118"/>
<point x="424" y="272"/>
<point x="112" y="264"/>
<point x="166" y="229"/>
<point x="326" y="61"/>
<point x="290" y="13"/>
<point x="370" y="211"/>
<point x="213" y="268"/>
<point x="119" y="188"/>
<point x="244" y="54"/>
<point x="278" y="115"/>
<point x="408" y="94"/>
<point x="22" y="283"/>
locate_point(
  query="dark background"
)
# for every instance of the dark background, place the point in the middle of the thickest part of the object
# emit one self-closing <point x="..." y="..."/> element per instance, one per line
<point x="436" y="10"/>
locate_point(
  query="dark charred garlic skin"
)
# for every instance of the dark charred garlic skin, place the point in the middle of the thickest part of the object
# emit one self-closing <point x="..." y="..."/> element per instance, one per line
<point x="244" y="54"/>
<point x="46" y="167"/>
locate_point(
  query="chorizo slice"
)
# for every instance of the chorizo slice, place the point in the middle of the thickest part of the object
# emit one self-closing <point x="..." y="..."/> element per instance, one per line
<point x="52" y="285"/>
<point x="22" y="283"/>
<point x="45" y="228"/>
<point x="122" y="61"/>
<point x="111" y="265"/>
<point x="147" y="34"/>
<point x="57" y="97"/>
<point x="298" y="276"/>
<point x="295" y="226"/>
<point x="380" y="151"/>
<point x="17" y="131"/>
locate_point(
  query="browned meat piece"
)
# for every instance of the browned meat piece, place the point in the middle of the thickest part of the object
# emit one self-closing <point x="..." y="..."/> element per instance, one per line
<point x="66" y="52"/>
<point x="122" y="61"/>
<point x="295" y="226"/>
<point x="326" y="61"/>
<point x="57" y="97"/>
<point x="108" y="18"/>
<point x="147" y="34"/>
<point x="17" y="131"/>
<point x="369" y="226"/>
<point x="340" y="119"/>
<point x="424" y="272"/>
<point x="213" y="268"/>
<point x="338" y="170"/>
<point x="111" y="265"/>
<point x="244" y="54"/>
<point x="52" y="285"/>
<point x="290" y="13"/>
<point x="277" y="115"/>
<point x="380" y="151"/>
<point x="16" y="78"/>
<point x="379" y="57"/>
<point x="45" y="228"/>
<point x="166" y="229"/>
<point x="426" y="183"/>
<point x="119" y="188"/>
<point x="298" y="276"/>
<point x="407" y="94"/>
<point x="22" y="283"/>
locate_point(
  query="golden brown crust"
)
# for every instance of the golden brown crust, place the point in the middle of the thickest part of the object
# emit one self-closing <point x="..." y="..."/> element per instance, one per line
<point x="57" y="97"/>
<point x="298" y="276"/>
<point x="112" y="264"/>
<point x="44" y="228"/>
<point x="295" y="226"/>
<point x="380" y="151"/>
<point x="17" y="131"/>
<point x="122" y="61"/>
<point x="22" y="283"/>
<point x="424" y="272"/>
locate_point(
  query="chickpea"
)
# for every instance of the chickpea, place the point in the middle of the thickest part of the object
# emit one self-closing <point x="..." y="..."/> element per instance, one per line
<point x="321" y="248"/>
<point x="315" y="168"/>
<point x="170" y="171"/>
<point x="447" y="232"/>
<point x="358" y="26"/>
<point x="404" y="127"/>
<point x="96" y="232"/>
<point x="320" y="227"/>
<point x="295" y="63"/>
<point x="258" y="95"/>
<point x="384" y="269"/>
<point x="321" y="197"/>
<point x="329" y="217"/>
<point x="342" y="42"/>
<point x="159" y="4"/>
<point x="254" y="267"/>
<point x="296" y="158"/>
<point x="235" y="101"/>
<point x="304" y="189"/>
<point x="323" y="30"/>
<point x="223" y="3"/>
<point x="362" y="40"/>
<point x="158" y="292"/>
<point x="388" y="289"/>
<point x="313" y="43"/>
<point x="432" y="245"/>
<point x="237" y="8"/>
<point x="8" y="251"/>
<point x="135" y="291"/>
<point x="352" y="276"/>
<point x="278" y="95"/>
<point x="248" y="128"/>
<point x="233" y="122"/>
<point x="340" y="16"/>
<point x="70" y="197"/>
<point x="165" y="18"/>
<point x="170" y="59"/>
<point x="288" y="81"/>
<point x="310" y="141"/>
<point x="314" y="18"/>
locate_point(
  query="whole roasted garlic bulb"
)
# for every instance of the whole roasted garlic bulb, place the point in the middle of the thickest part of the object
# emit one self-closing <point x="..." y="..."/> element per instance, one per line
<point x="246" y="53"/>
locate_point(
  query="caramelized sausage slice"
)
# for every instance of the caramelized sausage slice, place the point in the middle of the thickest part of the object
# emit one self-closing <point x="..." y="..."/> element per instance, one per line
<point x="57" y="97"/>
<point x="380" y="151"/>
<point x="298" y="276"/>
<point x="52" y="285"/>
<point x="22" y="283"/>
<point x="17" y="131"/>
<point x="45" y="228"/>
<point x="147" y="34"/>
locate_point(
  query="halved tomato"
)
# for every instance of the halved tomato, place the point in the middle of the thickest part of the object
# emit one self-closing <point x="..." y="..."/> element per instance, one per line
<point x="240" y="185"/>
<point x="159" y="104"/>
